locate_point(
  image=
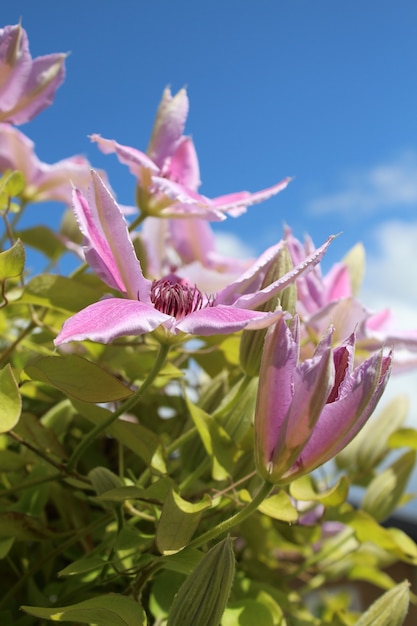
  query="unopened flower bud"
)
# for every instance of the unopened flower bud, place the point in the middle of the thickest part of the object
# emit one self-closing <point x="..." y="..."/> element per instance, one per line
<point x="202" y="598"/>
<point x="252" y="342"/>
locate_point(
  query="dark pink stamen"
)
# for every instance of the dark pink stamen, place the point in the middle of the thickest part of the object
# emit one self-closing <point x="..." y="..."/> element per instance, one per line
<point x="175" y="296"/>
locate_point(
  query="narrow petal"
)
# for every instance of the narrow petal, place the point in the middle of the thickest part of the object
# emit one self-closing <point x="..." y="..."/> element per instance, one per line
<point x="252" y="300"/>
<point x="108" y="221"/>
<point x="46" y="75"/>
<point x="134" y="159"/>
<point x="340" y="421"/>
<point x="222" y="319"/>
<point x="276" y="390"/>
<point x="313" y="380"/>
<point x="168" y="126"/>
<point x="111" y="318"/>
<point x="238" y="205"/>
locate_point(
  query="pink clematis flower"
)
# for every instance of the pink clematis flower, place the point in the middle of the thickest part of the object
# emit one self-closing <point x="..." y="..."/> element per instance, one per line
<point x="27" y="86"/>
<point x="43" y="181"/>
<point x="309" y="411"/>
<point x="329" y="299"/>
<point x="171" y="302"/>
<point x="168" y="174"/>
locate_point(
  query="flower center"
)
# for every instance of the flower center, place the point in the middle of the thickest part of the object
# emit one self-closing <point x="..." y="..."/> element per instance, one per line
<point x="175" y="296"/>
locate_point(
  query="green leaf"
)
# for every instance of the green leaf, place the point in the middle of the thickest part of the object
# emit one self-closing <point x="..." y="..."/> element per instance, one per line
<point x="83" y="566"/>
<point x="10" y="400"/>
<point x="279" y="506"/>
<point x="304" y="489"/>
<point x="384" y="492"/>
<point x="134" y="436"/>
<point x="216" y="441"/>
<point x="179" y="519"/>
<point x="104" y="480"/>
<point x="247" y="613"/>
<point x="78" y="378"/>
<point x="390" y="609"/>
<point x="43" y="239"/>
<point x="12" y="183"/>
<point x="106" y="610"/>
<point x="404" y="438"/>
<point x="12" y="261"/>
<point x="57" y="292"/>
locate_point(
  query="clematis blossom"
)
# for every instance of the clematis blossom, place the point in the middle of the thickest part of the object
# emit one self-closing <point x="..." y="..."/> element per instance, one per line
<point x="168" y="175"/>
<point x="43" y="181"/>
<point x="27" y="86"/>
<point x="330" y="299"/>
<point x="308" y="411"/>
<point x="171" y="301"/>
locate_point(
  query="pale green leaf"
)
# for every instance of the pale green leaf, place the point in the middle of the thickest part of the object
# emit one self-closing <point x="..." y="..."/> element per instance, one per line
<point x="390" y="609"/>
<point x="78" y="378"/>
<point x="10" y="400"/>
<point x="12" y="261"/>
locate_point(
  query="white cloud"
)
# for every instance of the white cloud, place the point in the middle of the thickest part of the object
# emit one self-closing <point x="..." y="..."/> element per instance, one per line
<point x="390" y="282"/>
<point x="384" y="186"/>
<point x="231" y="245"/>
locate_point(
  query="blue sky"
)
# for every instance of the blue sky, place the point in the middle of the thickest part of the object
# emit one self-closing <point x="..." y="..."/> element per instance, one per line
<point x="324" y="91"/>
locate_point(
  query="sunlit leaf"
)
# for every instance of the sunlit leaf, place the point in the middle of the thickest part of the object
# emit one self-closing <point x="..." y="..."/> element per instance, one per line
<point x="107" y="610"/>
<point x="179" y="519"/>
<point x="64" y="294"/>
<point x="279" y="506"/>
<point x="79" y="378"/>
<point x="10" y="400"/>
<point x="304" y="489"/>
<point x="12" y="261"/>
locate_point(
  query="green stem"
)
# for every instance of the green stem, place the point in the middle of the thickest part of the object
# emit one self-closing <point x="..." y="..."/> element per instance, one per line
<point x="236" y="519"/>
<point x="124" y="408"/>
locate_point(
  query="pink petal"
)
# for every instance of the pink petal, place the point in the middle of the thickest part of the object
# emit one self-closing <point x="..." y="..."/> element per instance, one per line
<point x="253" y="300"/>
<point x="222" y="319"/>
<point x="183" y="165"/>
<point x="109" y="247"/>
<point x="236" y="204"/>
<point x="275" y="394"/>
<point x="168" y="126"/>
<point x="43" y="181"/>
<point x="111" y="318"/>
<point x="134" y="159"/>
<point x="340" y="421"/>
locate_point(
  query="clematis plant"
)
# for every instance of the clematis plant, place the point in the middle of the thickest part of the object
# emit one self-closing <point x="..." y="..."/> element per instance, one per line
<point x="309" y="411"/>
<point x="170" y="479"/>
<point x="170" y="301"/>
<point x="168" y="175"/>
<point x="27" y="86"/>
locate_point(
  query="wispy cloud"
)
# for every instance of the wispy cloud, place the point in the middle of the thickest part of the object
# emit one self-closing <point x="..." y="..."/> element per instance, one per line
<point x="384" y="186"/>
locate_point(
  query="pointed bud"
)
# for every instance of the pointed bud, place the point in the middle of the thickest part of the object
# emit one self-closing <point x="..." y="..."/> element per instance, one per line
<point x="390" y="609"/>
<point x="252" y="342"/>
<point x="202" y="598"/>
